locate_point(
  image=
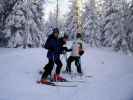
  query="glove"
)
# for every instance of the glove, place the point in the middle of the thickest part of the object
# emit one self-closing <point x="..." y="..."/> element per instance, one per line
<point x="64" y="52"/>
<point x="81" y="52"/>
<point x="66" y="49"/>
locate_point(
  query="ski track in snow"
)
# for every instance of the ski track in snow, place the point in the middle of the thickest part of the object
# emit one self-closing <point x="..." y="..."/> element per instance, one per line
<point x="112" y="76"/>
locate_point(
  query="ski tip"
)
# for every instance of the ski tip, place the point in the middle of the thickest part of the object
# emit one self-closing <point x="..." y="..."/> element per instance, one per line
<point x="54" y="84"/>
<point x="38" y="82"/>
<point x="88" y="76"/>
<point x="49" y="83"/>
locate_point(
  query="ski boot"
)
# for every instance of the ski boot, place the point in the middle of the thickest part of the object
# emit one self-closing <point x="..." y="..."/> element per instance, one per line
<point x="58" y="78"/>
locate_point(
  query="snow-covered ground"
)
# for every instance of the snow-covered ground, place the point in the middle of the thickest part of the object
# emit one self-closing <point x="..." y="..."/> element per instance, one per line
<point x="112" y="76"/>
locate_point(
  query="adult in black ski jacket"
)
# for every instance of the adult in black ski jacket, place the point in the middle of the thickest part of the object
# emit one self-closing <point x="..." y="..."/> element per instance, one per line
<point x="54" y="45"/>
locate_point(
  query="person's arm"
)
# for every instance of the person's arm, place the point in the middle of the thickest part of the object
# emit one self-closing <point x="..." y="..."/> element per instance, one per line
<point x="50" y="45"/>
<point x="66" y="49"/>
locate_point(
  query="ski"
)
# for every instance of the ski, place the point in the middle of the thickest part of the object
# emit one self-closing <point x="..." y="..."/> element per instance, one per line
<point x="60" y="85"/>
<point x="70" y="81"/>
<point x="48" y="83"/>
<point x="88" y="76"/>
<point x="54" y="84"/>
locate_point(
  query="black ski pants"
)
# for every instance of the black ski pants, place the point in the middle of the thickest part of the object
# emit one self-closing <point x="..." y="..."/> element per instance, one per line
<point x="77" y="63"/>
<point x="49" y="67"/>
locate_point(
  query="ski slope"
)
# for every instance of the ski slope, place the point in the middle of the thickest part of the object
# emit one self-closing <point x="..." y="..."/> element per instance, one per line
<point x="112" y="76"/>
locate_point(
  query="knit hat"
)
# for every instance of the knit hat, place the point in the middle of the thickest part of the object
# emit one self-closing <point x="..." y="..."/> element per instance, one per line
<point x="55" y="30"/>
<point x="78" y="35"/>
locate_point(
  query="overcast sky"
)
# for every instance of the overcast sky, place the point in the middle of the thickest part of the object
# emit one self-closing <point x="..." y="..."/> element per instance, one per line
<point x="51" y="5"/>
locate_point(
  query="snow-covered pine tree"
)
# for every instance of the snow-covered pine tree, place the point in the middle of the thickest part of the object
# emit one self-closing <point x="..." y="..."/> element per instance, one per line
<point x="90" y="22"/>
<point x="100" y="22"/>
<point x="111" y="17"/>
<point x="116" y="25"/>
<point x="71" y="21"/>
<point x="120" y="40"/>
<point x="130" y="25"/>
<point x="23" y="26"/>
<point x="6" y="7"/>
<point x="113" y="21"/>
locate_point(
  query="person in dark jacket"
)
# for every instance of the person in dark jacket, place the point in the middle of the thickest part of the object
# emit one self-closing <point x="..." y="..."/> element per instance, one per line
<point x="54" y="45"/>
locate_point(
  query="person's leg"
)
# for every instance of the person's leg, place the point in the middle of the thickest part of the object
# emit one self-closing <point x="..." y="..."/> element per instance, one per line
<point x="48" y="69"/>
<point x="59" y="66"/>
<point x="69" y="61"/>
<point x="57" y="76"/>
<point x="78" y="64"/>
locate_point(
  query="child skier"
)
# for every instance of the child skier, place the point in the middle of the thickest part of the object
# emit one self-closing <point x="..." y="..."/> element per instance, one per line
<point x="77" y="52"/>
<point x="54" y="45"/>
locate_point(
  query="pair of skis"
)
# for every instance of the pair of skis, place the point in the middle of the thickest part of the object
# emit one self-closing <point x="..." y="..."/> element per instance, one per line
<point x="58" y="85"/>
<point x="53" y="83"/>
